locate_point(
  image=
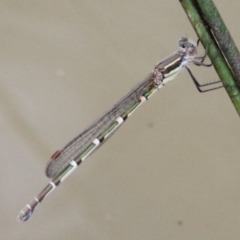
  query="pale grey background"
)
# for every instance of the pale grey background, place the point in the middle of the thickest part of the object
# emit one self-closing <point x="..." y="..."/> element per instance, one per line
<point x="171" y="172"/>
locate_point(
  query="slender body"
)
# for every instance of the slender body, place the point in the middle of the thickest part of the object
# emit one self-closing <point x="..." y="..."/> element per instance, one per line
<point x="63" y="162"/>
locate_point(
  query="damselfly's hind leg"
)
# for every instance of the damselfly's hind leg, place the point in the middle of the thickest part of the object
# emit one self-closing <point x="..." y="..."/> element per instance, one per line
<point x="200" y="86"/>
<point x="199" y="61"/>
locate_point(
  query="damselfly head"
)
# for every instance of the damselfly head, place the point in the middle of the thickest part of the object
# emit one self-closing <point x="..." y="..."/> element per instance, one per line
<point x="187" y="47"/>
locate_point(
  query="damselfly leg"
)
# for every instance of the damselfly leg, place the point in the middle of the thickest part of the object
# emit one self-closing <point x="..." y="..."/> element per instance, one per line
<point x="199" y="86"/>
<point x="201" y="63"/>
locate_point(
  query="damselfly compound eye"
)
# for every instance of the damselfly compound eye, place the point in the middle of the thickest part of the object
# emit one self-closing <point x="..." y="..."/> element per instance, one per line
<point x="182" y="42"/>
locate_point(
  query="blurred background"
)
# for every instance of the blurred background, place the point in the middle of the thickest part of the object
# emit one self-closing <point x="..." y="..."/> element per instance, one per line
<point x="172" y="170"/>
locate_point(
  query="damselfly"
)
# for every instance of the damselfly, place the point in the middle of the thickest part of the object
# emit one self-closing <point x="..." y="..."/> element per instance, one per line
<point x="66" y="160"/>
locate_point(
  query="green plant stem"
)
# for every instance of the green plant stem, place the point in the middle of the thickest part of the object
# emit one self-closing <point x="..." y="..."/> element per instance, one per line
<point x="222" y="35"/>
<point x="198" y="22"/>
